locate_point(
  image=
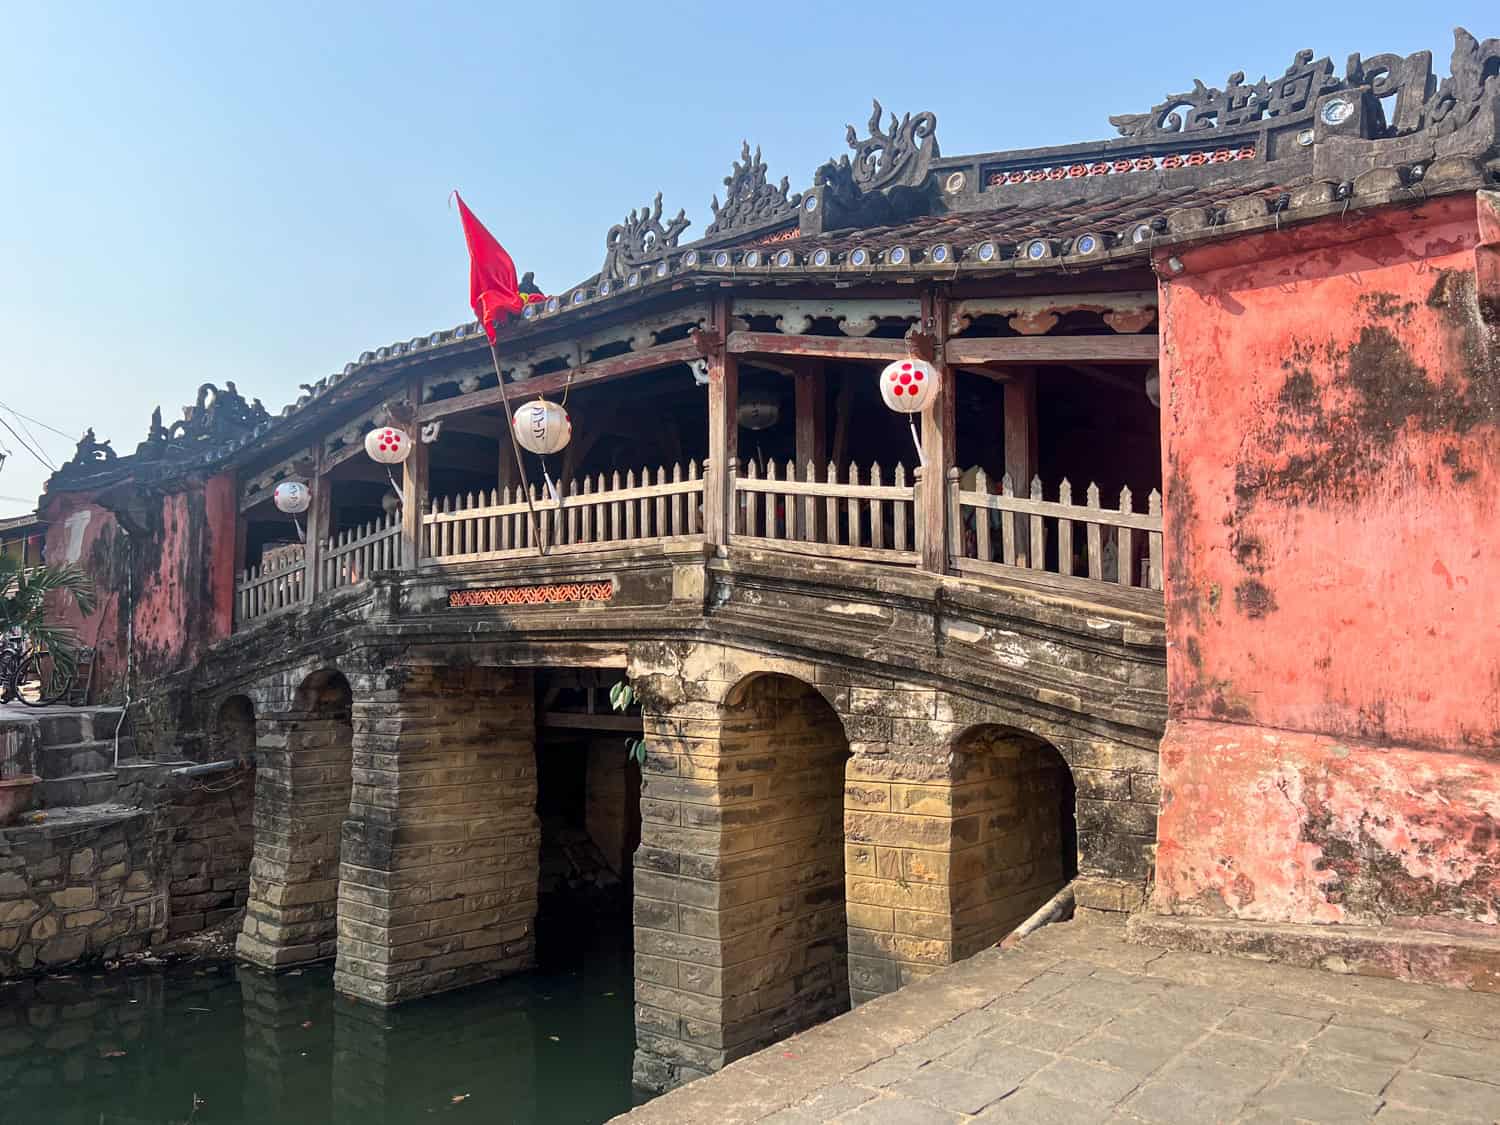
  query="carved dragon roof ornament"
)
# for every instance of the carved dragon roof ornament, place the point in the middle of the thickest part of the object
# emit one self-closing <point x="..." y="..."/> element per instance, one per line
<point x="886" y="159"/>
<point x="749" y="200"/>
<point x="638" y="237"/>
<point x="1420" y="102"/>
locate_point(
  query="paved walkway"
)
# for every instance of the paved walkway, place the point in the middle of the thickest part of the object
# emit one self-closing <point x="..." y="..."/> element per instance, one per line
<point x="1076" y="1025"/>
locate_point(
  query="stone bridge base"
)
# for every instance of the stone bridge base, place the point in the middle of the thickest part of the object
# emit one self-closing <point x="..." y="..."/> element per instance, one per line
<point x="811" y="836"/>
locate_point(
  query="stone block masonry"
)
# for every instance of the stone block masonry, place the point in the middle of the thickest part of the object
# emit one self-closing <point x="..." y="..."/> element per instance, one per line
<point x="79" y="887"/>
<point x="302" y="796"/>
<point x="207" y="833"/>
<point x="437" y="887"/>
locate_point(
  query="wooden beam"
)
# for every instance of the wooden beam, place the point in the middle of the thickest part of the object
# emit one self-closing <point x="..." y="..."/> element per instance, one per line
<point x="995" y="375"/>
<point x="576" y="720"/>
<point x="821" y="347"/>
<point x="683" y="351"/>
<point x="1142" y="348"/>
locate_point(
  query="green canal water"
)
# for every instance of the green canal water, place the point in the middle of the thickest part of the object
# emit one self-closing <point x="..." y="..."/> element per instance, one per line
<point x="217" y="1042"/>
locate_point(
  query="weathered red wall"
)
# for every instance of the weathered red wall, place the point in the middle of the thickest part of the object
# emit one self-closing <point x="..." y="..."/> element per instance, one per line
<point x="85" y="534"/>
<point x="181" y="566"/>
<point x="1331" y="446"/>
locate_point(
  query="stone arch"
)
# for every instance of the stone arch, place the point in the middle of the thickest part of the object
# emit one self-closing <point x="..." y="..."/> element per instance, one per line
<point x="783" y="754"/>
<point x="1022" y="845"/>
<point x="303" y="788"/>
<point x="234" y="729"/>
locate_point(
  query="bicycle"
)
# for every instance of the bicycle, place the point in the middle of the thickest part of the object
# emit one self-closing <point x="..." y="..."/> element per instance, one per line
<point x="31" y="675"/>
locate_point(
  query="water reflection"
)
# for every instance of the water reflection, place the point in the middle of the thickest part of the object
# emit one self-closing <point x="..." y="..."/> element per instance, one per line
<point x="226" y="1043"/>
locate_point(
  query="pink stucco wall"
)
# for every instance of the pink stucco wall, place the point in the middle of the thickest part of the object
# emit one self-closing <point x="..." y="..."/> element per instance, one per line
<point x="1331" y="448"/>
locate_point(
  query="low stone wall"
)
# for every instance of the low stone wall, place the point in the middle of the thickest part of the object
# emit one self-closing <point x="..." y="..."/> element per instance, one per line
<point x="207" y="832"/>
<point x="79" y="887"/>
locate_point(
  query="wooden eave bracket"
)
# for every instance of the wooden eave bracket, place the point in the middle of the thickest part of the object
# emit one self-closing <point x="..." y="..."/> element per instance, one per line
<point x="922" y="345"/>
<point x="709" y="341"/>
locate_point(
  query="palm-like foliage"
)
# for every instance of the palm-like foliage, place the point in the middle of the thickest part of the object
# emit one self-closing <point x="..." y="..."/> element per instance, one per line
<point x="23" y="606"/>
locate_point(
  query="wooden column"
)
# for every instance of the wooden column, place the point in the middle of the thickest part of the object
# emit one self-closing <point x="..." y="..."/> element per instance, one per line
<point x="723" y="432"/>
<point x="413" y="500"/>
<point x="811" y="411"/>
<point x="938" y="444"/>
<point x="319" y="524"/>
<point x="1021" y="444"/>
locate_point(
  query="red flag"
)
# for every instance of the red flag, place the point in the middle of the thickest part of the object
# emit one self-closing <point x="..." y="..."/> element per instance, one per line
<point x="493" y="291"/>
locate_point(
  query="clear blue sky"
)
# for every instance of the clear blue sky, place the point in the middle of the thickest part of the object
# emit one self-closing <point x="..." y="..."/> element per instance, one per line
<point x="195" y="193"/>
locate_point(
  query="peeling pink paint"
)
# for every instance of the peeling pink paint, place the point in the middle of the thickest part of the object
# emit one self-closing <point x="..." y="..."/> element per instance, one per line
<point x="1331" y="438"/>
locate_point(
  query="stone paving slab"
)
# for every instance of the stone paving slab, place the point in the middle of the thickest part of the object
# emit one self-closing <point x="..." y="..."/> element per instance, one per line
<point x="1077" y="1025"/>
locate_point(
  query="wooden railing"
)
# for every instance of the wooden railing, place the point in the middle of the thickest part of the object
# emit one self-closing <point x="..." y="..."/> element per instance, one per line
<point x="358" y="552"/>
<point x="849" y="519"/>
<point x="990" y="533"/>
<point x="279" y="583"/>
<point x="591" y="514"/>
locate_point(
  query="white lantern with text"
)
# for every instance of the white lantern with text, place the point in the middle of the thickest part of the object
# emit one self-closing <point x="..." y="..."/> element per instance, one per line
<point x="908" y="386"/>
<point x="388" y="445"/>
<point x="292" y="497"/>
<point x="542" y="427"/>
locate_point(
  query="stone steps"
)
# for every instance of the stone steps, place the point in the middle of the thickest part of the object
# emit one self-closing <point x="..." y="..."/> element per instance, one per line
<point x="78" y="789"/>
<point x="69" y="758"/>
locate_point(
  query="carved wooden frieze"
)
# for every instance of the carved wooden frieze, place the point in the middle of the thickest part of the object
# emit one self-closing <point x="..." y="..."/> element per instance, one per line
<point x="749" y="200"/>
<point x="638" y="237"/>
<point x="1421" y="103"/>
<point x="1035" y="316"/>
<point x="854" y="317"/>
<point x="646" y="332"/>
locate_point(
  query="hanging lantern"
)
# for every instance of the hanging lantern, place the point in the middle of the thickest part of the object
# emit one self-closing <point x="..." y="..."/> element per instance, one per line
<point x="388" y="445"/>
<point x="1153" y="386"/>
<point x="542" y="427"/>
<point x="292" y="497"/>
<point x="908" y="385"/>
<point x="758" y="410"/>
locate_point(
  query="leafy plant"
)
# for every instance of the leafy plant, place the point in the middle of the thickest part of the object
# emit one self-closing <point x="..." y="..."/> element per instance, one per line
<point x="23" y="607"/>
<point x="621" y="696"/>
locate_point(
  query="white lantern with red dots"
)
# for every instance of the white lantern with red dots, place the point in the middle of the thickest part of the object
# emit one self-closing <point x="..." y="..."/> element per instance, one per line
<point x="292" y="497"/>
<point x="908" y="385"/>
<point x="542" y="427"/>
<point x="388" y="445"/>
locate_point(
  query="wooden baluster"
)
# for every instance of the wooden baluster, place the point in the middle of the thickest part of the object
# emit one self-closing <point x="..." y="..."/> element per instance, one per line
<point x="695" y="521"/>
<point x="661" y="503"/>
<point x="775" y="515"/>
<point x="629" y="507"/>
<point x="616" y="515"/>
<point x="983" y="549"/>
<point x="1037" y="544"/>
<point x="791" y="504"/>
<point x="831" y="510"/>
<point x="810" y="506"/>
<point x="1096" y="554"/>
<point x="1153" y="542"/>
<point x="898" y="510"/>
<point x="876" y="508"/>
<point x="1065" y="531"/>
<point x="674" y="507"/>
<point x="1007" y="524"/>
<point x="852" y="509"/>
<point x="1125" y="541"/>
<point x="751" y="506"/>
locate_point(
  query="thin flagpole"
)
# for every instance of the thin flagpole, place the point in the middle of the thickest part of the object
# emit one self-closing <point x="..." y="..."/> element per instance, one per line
<point x="510" y="424"/>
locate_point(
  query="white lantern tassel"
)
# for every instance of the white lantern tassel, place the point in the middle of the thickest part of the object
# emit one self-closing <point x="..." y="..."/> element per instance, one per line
<point x="917" y="441"/>
<point x="396" y="488"/>
<point x="551" y="488"/>
<point x="301" y="535"/>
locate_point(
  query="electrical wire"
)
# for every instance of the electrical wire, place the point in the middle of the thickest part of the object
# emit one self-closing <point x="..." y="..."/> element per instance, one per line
<point x="37" y="422"/>
<point x="42" y="459"/>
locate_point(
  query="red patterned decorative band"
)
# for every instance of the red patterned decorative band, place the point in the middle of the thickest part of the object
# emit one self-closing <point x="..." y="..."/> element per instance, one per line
<point x="550" y="594"/>
<point x="1116" y="167"/>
